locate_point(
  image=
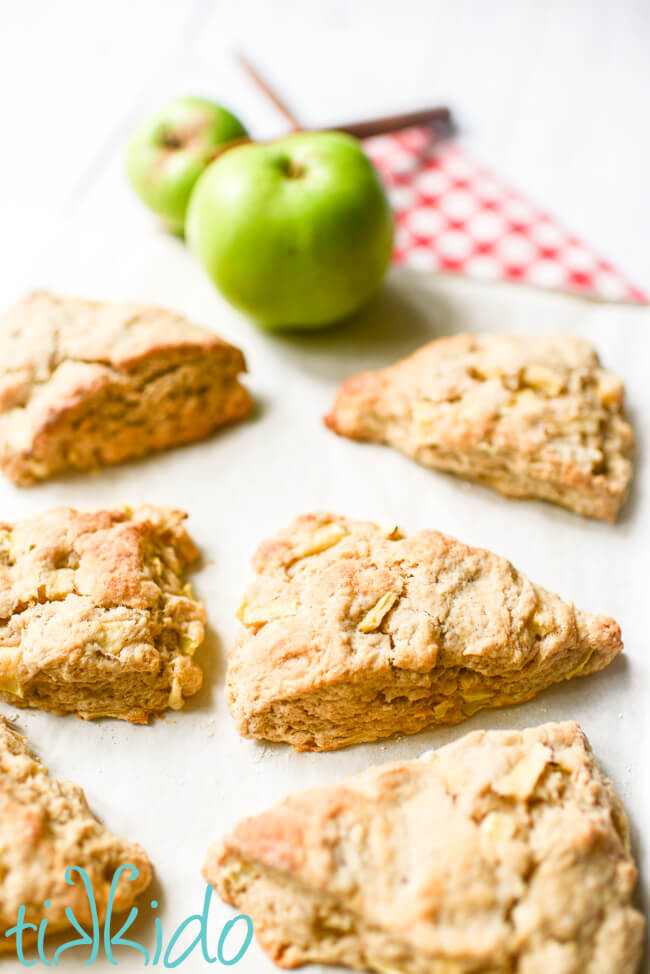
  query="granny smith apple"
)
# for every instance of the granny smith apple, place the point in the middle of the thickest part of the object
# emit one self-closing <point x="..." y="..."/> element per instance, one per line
<point x="169" y="151"/>
<point x="295" y="233"/>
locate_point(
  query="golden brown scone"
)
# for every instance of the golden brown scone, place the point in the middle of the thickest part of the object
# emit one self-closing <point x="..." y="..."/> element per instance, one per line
<point x="530" y="417"/>
<point x="505" y="851"/>
<point x="353" y="633"/>
<point x="46" y="828"/>
<point x="85" y="383"/>
<point x="97" y="617"/>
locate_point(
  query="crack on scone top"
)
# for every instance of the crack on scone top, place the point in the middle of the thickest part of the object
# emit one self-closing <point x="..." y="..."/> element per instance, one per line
<point x="119" y="376"/>
<point x="580" y="390"/>
<point x="456" y="685"/>
<point x="157" y="553"/>
<point x="191" y="354"/>
<point x="464" y="675"/>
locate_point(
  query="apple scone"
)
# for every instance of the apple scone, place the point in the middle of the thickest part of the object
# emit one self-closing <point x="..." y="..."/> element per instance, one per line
<point x="96" y="616"/>
<point x="504" y="851"/>
<point x="528" y="416"/>
<point x="47" y="828"/>
<point x="353" y="633"/>
<point x="86" y="383"/>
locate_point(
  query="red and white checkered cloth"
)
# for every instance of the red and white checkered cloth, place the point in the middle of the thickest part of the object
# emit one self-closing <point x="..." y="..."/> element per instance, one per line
<point x="454" y="215"/>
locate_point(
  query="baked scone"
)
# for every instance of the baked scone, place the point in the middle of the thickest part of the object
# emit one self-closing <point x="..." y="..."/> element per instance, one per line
<point x="85" y="383"/>
<point x="505" y="851"/>
<point x="353" y="633"/>
<point x="46" y="828"/>
<point x="528" y="416"/>
<point x="97" y="618"/>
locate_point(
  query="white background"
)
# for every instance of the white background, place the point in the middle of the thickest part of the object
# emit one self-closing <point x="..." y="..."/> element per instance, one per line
<point x="554" y="97"/>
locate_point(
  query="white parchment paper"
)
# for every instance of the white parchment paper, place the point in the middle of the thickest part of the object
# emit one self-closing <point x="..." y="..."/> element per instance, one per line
<point x="178" y="784"/>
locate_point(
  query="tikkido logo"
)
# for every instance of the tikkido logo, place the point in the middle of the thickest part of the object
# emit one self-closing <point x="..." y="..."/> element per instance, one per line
<point x="230" y="946"/>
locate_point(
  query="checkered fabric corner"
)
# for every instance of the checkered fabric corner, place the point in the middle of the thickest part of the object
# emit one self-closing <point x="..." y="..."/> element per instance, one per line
<point x="452" y="214"/>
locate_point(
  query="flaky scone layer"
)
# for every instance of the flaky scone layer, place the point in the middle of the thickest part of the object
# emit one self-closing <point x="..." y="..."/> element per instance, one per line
<point x="95" y="615"/>
<point x="86" y="383"/>
<point x="353" y="633"/>
<point x="46" y="828"/>
<point x="503" y="852"/>
<point x="528" y="416"/>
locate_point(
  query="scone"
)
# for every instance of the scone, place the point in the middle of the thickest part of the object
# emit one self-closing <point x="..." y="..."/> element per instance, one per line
<point x="85" y="383"/>
<point x="47" y="828"/>
<point x="530" y="417"/>
<point x="97" y="618"/>
<point x="353" y="633"/>
<point x="505" y="851"/>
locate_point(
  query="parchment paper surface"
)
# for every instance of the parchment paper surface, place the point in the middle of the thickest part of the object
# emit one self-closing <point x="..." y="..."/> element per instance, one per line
<point x="178" y="784"/>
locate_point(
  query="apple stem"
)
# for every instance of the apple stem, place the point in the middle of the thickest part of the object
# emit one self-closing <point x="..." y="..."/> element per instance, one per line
<point x="171" y="141"/>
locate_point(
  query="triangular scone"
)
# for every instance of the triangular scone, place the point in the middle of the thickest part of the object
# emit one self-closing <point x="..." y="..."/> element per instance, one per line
<point x="46" y="828"/>
<point x="530" y="417"/>
<point x="353" y="633"/>
<point x="505" y="851"/>
<point x="86" y="383"/>
<point x="97" y="618"/>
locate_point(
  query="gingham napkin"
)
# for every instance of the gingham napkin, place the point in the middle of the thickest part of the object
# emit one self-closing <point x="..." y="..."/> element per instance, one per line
<point x="453" y="214"/>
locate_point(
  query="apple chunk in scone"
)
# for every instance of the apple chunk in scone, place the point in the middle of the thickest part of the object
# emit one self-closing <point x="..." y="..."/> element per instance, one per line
<point x="529" y="416"/>
<point x="97" y="618"/>
<point x="504" y="852"/>
<point x="352" y="633"/>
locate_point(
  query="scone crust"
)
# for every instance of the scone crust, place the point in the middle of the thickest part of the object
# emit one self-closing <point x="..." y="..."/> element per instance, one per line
<point x="505" y="851"/>
<point x="46" y="828"/>
<point x="98" y="619"/>
<point x="527" y="416"/>
<point x="352" y="632"/>
<point x="85" y="383"/>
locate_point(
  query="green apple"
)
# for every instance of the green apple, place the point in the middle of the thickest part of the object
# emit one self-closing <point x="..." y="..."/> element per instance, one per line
<point x="169" y="151"/>
<point x="295" y="233"/>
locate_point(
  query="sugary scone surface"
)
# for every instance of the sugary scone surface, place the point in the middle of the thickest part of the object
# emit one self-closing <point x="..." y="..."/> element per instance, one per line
<point x="353" y="632"/>
<point x="46" y="827"/>
<point x="96" y="615"/>
<point x="529" y="416"/>
<point x="87" y="383"/>
<point x="503" y="852"/>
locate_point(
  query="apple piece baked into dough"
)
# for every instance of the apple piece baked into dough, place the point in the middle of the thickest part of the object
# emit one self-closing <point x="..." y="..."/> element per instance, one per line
<point x="527" y="416"/>
<point x="352" y="633"/>
<point x="504" y="851"/>
<point x="97" y="618"/>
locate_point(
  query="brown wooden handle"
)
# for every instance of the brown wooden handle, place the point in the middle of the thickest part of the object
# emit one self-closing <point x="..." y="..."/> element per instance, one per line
<point x="439" y="117"/>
